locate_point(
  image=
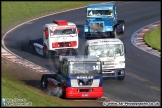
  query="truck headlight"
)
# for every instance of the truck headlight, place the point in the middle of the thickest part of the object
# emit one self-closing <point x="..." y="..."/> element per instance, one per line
<point x="109" y="28"/>
<point x="85" y="30"/>
<point x="121" y="62"/>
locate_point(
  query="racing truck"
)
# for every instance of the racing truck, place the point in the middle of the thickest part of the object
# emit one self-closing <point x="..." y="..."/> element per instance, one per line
<point x="77" y="77"/>
<point x="111" y="52"/>
<point x="102" y="21"/>
<point x="58" y="35"/>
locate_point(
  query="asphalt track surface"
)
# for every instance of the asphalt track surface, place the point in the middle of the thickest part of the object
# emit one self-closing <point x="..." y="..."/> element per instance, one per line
<point x="142" y="81"/>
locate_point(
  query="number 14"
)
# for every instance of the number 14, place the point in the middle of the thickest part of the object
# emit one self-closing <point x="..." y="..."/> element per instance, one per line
<point x="95" y="67"/>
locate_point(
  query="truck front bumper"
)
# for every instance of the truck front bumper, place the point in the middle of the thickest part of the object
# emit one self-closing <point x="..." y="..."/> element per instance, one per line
<point x="113" y="72"/>
<point x="97" y="34"/>
<point x="96" y="92"/>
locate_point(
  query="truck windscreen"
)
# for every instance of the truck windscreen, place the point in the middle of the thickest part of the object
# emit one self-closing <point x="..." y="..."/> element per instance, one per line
<point x="64" y="30"/>
<point x="99" y="13"/>
<point x="84" y="68"/>
<point x="107" y="50"/>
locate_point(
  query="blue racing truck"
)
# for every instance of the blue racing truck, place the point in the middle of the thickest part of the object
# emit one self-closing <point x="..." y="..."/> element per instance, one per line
<point x="78" y="77"/>
<point x="102" y="21"/>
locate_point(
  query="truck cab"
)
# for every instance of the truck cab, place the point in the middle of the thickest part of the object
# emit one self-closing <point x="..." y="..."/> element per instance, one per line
<point x="79" y="77"/>
<point x="112" y="55"/>
<point x="58" y="35"/>
<point x="102" y="21"/>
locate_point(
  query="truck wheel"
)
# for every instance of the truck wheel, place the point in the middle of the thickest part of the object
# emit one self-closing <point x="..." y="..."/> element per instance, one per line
<point x="61" y="93"/>
<point x="121" y="77"/>
<point x="44" y="82"/>
<point x="86" y="36"/>
<point x="114" y="34"/>
<point x="46" y="53"/>
<point x="31" y="47"/>
<point x="123" y="25"/>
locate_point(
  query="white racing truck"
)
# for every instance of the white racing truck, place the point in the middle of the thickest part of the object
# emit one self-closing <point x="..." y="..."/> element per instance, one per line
<point x="57" y="36"/>
<point x="112" y="54"/>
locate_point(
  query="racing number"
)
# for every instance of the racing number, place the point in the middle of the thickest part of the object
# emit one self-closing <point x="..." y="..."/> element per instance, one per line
<point x="95" y="67"/>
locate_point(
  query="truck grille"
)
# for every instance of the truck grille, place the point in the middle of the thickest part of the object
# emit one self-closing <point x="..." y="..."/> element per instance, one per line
<point x="108" y="64"/>
<point x="85" y="90"/>
<point x="96" y="27"/>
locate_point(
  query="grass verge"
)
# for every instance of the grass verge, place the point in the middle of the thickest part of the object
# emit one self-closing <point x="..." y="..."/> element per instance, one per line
<point x="22" y="82"/>
<point x="15" y="12"/>
<point x="153" y="38"/>
<point x="13" y="88"/>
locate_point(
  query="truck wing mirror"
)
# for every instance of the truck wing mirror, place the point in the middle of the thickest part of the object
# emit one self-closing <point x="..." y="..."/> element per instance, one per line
<point x="46" y="33"/>
<point x="124" y="48"/>
<point x="78" y="30"/>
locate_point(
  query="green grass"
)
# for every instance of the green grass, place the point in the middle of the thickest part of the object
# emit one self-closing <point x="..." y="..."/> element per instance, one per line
<point x="13" y="88"/>
<point x="20" y="11"/>
<point x="153" y="38"/>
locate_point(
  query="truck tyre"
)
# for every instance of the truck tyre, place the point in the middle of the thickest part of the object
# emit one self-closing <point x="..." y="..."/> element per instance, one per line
<point x="31" y="47"/>
<point x="86" y="36"/>
<point x="121" y="77"/>
<point x="46" y="53"/>
<point x="44" y="82"/>
<point x="123" y="25"/>
<point x="114" y="34"/>
<point x="74" y="52"/>
<point x="60" y="93"/>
